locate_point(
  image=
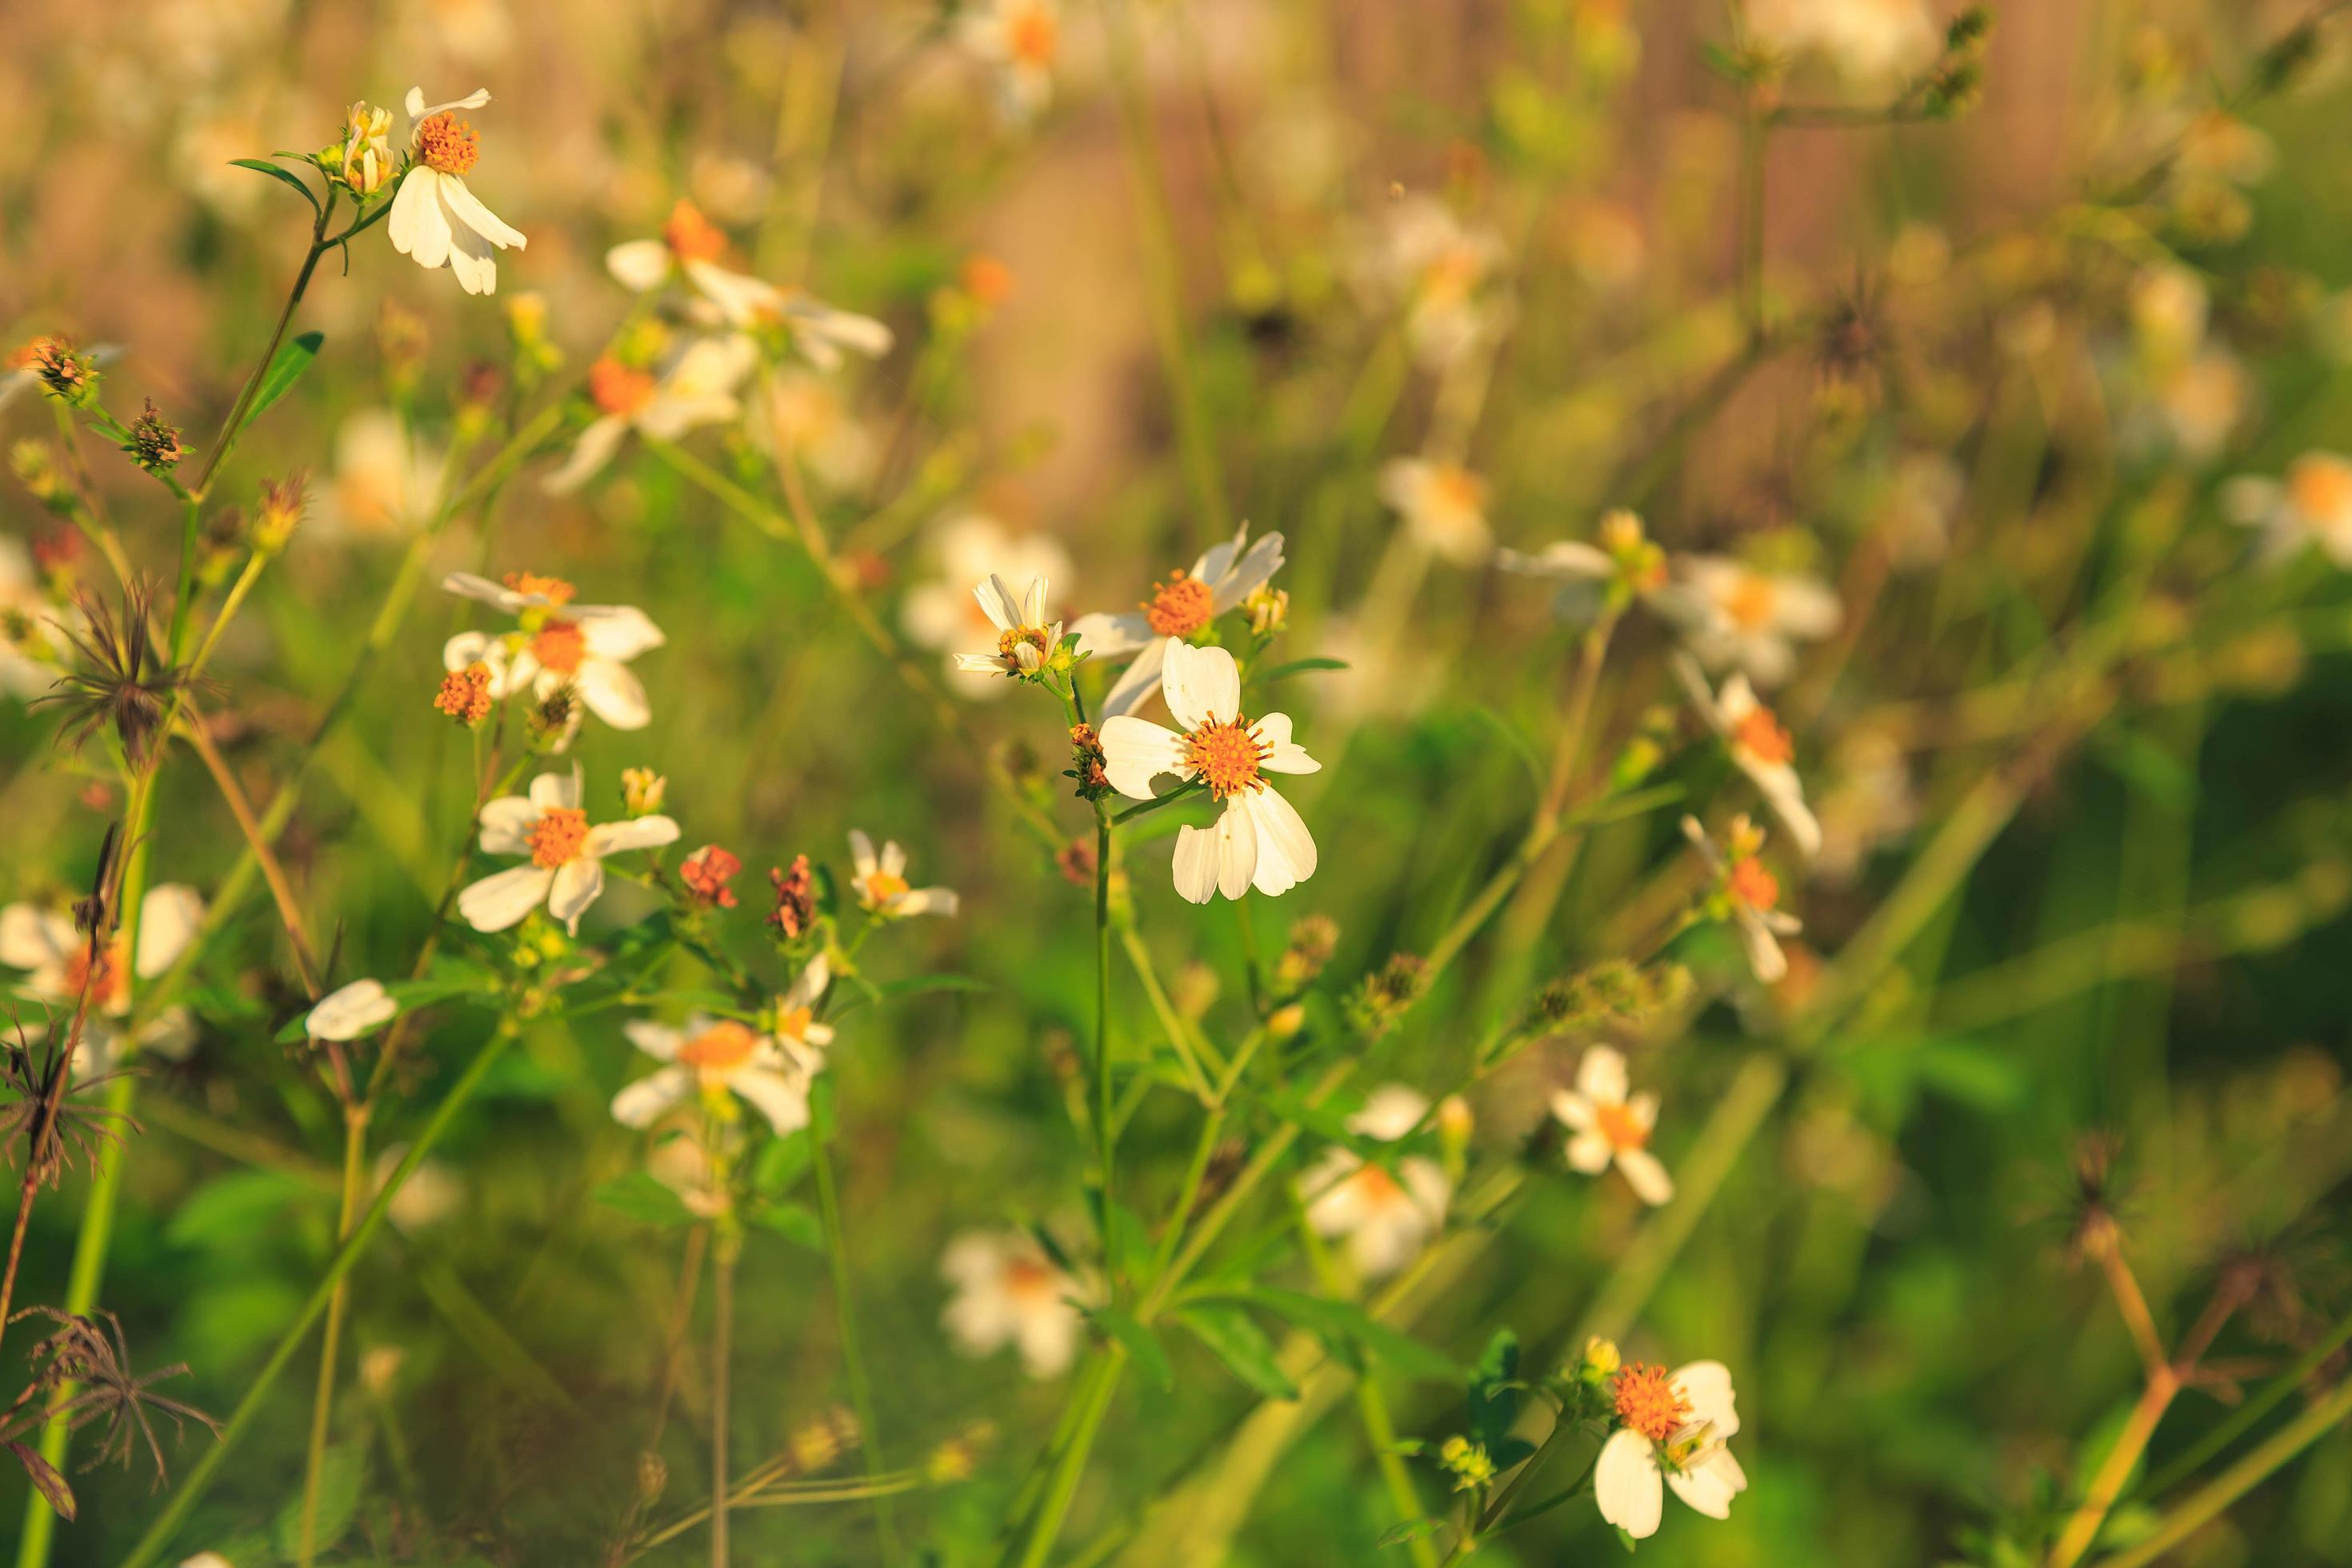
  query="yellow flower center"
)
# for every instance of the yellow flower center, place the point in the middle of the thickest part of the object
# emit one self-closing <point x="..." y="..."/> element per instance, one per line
<point x="1749" y="603"/>
<point x="559" y="646"/>
<point x="1754" y="886"/>
<point x="1375" y="1186"/>
<point x="881" y="886"/>
<point x="2321" y="488"/>
<point x="1649" y="1402"/>
<point x="447" y="143"/>
<point x="1009" y="646"/>
<point x="795" y="1024"/>
<point x="1032" y="36"/>
<point x="1457" y="490"/>
<point x="1180" y="606"/>
<point x="1226" y="756"/>
<point x="615" y="388"/>
<point x="722" y="1048"/>
<point x="1030" y="1280"/>
<point x="554" y="590"/>
<point x="556" y="838"/>
<point x="1619" y="1126"/>
<point x="1761" y="736"/>
<point x="1453" y="275"/>
<point x="691" y="237"/>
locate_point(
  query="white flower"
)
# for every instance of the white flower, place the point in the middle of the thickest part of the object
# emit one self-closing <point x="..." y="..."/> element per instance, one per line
<point x="566" y="871"/>
<point x="797" y="1028"/>
<point x="1737" y="617"/>
<point x="1873" y="43"/>
<point x="941" y="613"/>
<point x="801" y="415"/>
<point x="695" y="387"/>
<point x="2312" y="506"/>
<point x="2200" y="402"/>
<point x="434" y="219"/>
<point x="880" y="882"/>
<point x="1625" y="558"/>
<point x="1611" y="1126"/>
<point x="558" y="643"/>
<point x="431" y="1194"/>
<point x="360" y="1008"/>
<point x="1258" y="840"/>
<point x="385" y="480"/>
<point x="1750" y="895"/>
<point x="689" y="248"/>
<point x="1440" y="268"/>
<point x="21" y="673"/>
<point x="1442" y="504"/>
<point x="1020" y="38"/>
<point x="43" y="942"/>
<point x="1218" y="581"/>
<point x="714" y="1058"/>
<point x="1677" y="1423"/>
<point x="1386" y="1220"/>
<point x="1025" y="640"/>
<point x="1760" y="748"/>
<point x="1008" y="1292"/>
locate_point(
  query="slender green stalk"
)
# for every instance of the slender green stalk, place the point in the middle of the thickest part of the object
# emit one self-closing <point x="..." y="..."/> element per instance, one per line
<point x="845" y="1306"/>
<point x="1063" y="1484"/>
<point x="1106" y="1130"/>
<point x="722" y="1345"/>
<point x="322" y="1402"/>
<point x="2207" y="1503"/>
<point x="2242" y="1420"/>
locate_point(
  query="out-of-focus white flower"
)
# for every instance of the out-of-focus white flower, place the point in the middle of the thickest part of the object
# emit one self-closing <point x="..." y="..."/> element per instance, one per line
<point x="1922" y="498"/>
<point x="1020" y="39"/>
<point x="2199" y="403"/>
<point x="2313" y="505"/>
<point x="431" y="1194"/>
<point x="23" y="672"/>
<point x="1625" y="557"/>
<point x="695" y="387"/>
<point x="689" y="248"/>
<point x="1258" y="840"/>
<point x="1737" y="617"/>
<point x="1182" y="607"/>
<point x="2168" y="306"/>
<point x="436" y="221"/>
<point x="360" y="1008"/>
<point x="1611" y="1126"/>
<point x="1672" y="1431"/>
<point x="942" y="613"/>
<point x="43" y="941"/>
<point x="1442" y="504"/>
<point x="557" y="644"/>
<point x="566" y="869"/>
<point x="1008" y="1292"/>
<point x="880" y="882"/>
<point x="1025" y="639"/>
<point x="384" y="479"/>
<point x="713" y="1058"/>
<point x="797" y="1028"/>
<point x="1386" y="1219"/>
<point x="1759" y="747"/>
<point x="801" y="417"/>
<point x="1442" y="271"/>
<point x="1873" y="43"/>
<point x="1869" y="801"/>
<point x="1748" y="895"/>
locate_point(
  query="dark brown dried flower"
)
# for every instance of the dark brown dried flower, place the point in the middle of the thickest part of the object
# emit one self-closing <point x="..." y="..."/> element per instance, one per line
<point x="795" y="908"/>
<point x="48" y="1119"/>
<point x="81" y="1351"/>
<point x="154" y="446"/>
<point x="122" y="684"/>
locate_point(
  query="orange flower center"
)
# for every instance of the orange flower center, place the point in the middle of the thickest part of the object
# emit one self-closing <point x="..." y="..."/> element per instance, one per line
<point x="464" y="693"/>
<point x="1030" y="37"/>
<point x="1458" y="490"/>
<point x="554" y="590"/>
<point x="559" y="646"/>
<point x="1226" y="756"/>
<point x="1008" y="644"/>
<point x="1619" y="1126"/>
<point x="106" y="980"/>
<point x="1031" y="1280"/>
<point x="2321" y="488"/>
<point x="556" y="838"/>
<point x="722" y="1048"/>
<point x="1375" y="1186"/>
<point x="615" y="388"/>
<point x="1749" y="603"/>
<point x="795" y="1024"/>
<point x="881" y="886"/>
<point x="1453" y="275"/>
<point x="447" y="143"/>
<point x="1754" y="886"/>
<point x="691" y="237"/>
<point x="1649" y="1402"/>
<point x="1761" y="736"/>
<point x="1180" y="606"/>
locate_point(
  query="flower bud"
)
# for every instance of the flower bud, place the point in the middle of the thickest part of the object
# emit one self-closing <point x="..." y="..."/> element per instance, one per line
<point x="154" y="446"/>
<point x="641" y="790"/>
<point x="363" y="163"/>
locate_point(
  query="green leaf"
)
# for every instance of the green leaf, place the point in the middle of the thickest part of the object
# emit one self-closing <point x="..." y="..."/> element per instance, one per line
<point x="914" y="986"/>
<point x="1513" y="741"/>
<point x="642" y="1196"/>
<point x="408" y="995"/>
<point x="781" y="1163"/>
<point x="1409" y="1529"/>
<point x="293" y="358"/>
<point x="342" y="1471"/>
<point x="1233" y="1337"/>
<point x="797" y="1221"/>
<point x="1494" y="1395"/>
<point x="1296" y="667"/>
<point x="288" y="176"/>
<point x="1343" y="1326"/>
<point x="1140" y="1342"/>
<point x="234" y="1208"/>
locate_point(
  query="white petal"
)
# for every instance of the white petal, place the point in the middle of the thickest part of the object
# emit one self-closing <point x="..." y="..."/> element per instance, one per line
<point x="926" y="901"/>
<point x="808" y="985"/>
<point x="1287" y="756"/>
<point x="1590" y="1152"/>
<point x="498" y="901"/>
<point x="631" y="833"/>
<point x="1285" y="850"/>
<point x="472" y="258"/>
<point x="1108" y="636"/>
<point x="614" y="695"/>
<point x="578" y="882"/>
<point x="642" y="1103"/>
<point x="1573" y="1110"/>
<point x="1627" y="1487"/>
<point x="782" y="1100"/>
<point x="1200" y="684"/>
<point x="1237" y="856"/>
<point x="1254" y="570"/>
<point x="1138" y="681"/>
<point x="351" y="1012"/>
<point x="591" y="451"/>
<point x="507" y="822"/>
<point x="660" y="1040"/>
<point x="638" y="264"/>
<point x="419" y="225"/>
<point x="467" y="585"/>
<point x="468" y="208"/>
<point x="1706" y="1484"/>
<point x="31" y="936"/>
<point x="1645" y="1175"/>
<point x="1707" y="1385"/>
<point x="861" y="852"/>
<point x="1196" y="864"/>
<point x="1136" y="751"/>
<point x="1601" y="1076"/>
<point x="168" y="918"/>
<point x="997" y="602"/>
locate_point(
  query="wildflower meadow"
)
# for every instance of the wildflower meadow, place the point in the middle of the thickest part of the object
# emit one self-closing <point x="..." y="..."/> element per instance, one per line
<point x="1134" y="783"/>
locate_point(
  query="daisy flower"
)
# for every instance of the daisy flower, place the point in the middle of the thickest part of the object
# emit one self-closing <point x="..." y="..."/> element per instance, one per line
<point x="1672" y="1431"/>
<point x="689" y="248"/>
<point x="384" y="479"/>
<point x="436" y="220"/>
<point x="1258" y="840"/>
<point x="1386" y="1220"/>
<point x="1737" y="617"/>
<point x="558" y="643"/>
<point x="801" y="415"/>
<point x="880" y="882"/>
<point x="1871" y="43"/>
<point x="1025" y="640"/>
<point x="2313" y="505"/>
<point x="1443" y="506"/>
<point x="1760" y="748"/>
<point x="1223" y="577"/>
<point x="1008" y="1292"/>
<point x="797" y="1028"/>
<point x="1746" y="895"/>
<point x="1610" y="1126"/>
<point x="712" y="1059"/>
<point x="43" y="941"/>
<point x="1441" y="269"/>
<point x="694" y="388"/>
<point x="1625" y="559"/>
<point x="360" y="1008"/>
<point x="566" y="871"/>
<point x="23" y="671"/>
<point x="1020" y="39"/>
<point x="943" y="613"/>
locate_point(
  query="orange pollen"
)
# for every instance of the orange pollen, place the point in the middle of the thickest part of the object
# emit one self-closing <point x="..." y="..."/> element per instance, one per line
<point x="1754" y="886"/>
<point x="722" y="1048"/>
<point x="795" y="1024"/>
<point x="105" y="982"/>
<point x="19" y="358"/>
<point x="556" y="838"/>
<point x="1180" y="606"/>
<point x="881" y="886"/>
<point x="615" y="388"/>
<point x="1459" y="488"/>
<point x="1453" y="275"/>
<point x="465" y="694"/>
<point x="1008" y="646"/>
<point x="447" y="143"/>
<point x="1749" y="603"/>
<point x="1619" y="1126"/>
<point x="691" y="237"/>
<point x="2321" y="488"/>
<point x="1649" y="1402"/>
<point x="1761" y="736"/>
<point x="1030" y="1280"/>
<point x="1226" y="756"/>
<point x="1375" y="1186"/>
<point x="559" y="646"/>
<point x="1032" y="36"/>
<point x="554" y="590"/>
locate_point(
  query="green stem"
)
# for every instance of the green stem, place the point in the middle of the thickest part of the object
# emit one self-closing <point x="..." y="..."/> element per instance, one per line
<point x="845" y="1305"/>
<point x="1064" y="1484"/>
<point x="322" y="1403"/>
<point x="2208" y="1502"/>
<point x="2243" y="1419"/>
<point x="1105" y="1131"/>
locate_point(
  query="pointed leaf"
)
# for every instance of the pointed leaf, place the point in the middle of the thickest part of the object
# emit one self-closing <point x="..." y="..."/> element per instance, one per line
<point x="1343" y="1326"/>
<point x="288" y="176"/>
<point x="1140" y="1342"/>
<point x="642" y="1196"/>
<point x="293" y="358"/>
<point x="1235" y="1339"/>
